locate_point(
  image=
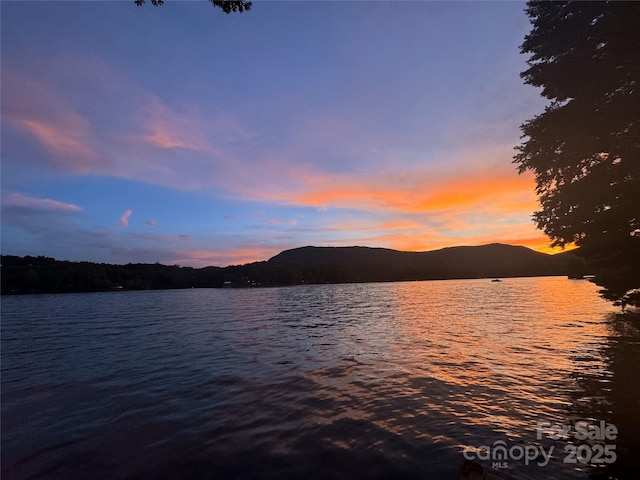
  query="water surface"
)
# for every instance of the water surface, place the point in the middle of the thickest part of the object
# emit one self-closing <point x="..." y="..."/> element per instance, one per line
<point x="385" y="380"/>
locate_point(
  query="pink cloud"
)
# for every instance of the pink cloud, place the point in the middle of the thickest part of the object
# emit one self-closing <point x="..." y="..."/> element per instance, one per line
<point x="124" y="219"/>
<point x="152" y="223"/>
<point x="167" y="129"/>
<point x="281" y="222"/>
<point x="65" y="136"/>
<point x="38" y="108"/>
<point x="36" y="203"/>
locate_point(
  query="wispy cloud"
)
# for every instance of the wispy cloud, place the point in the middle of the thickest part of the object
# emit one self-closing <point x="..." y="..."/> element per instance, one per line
<point x="36" y="203"/>
<point x="65" y="137"/>
<point x="168" y="129"/>
<point x="152" y="223"/>
<point x="277" y="221"/>
<point x="124" y="219"/>
<point x="40" y="109"/>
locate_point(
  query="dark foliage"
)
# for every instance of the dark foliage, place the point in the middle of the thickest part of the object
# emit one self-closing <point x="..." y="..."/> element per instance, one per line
<point x="227" y="6"/>
<point x="309" y="265"/>
<point x="585" y="147"/>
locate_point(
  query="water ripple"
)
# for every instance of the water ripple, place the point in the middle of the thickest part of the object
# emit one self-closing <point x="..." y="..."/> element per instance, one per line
<point x="386" y="380"/>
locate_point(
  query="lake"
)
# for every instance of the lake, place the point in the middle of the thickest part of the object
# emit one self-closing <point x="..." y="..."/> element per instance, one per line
<point x="366" y="381"/>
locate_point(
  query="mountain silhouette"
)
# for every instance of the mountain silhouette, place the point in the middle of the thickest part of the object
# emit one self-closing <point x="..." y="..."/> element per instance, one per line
<point x="305" y="265"/>
<point x="493" y="260"/>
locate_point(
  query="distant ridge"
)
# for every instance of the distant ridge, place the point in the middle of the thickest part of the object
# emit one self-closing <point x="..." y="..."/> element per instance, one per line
<point x="305" y="265"/>
<point x="493" y="260"/>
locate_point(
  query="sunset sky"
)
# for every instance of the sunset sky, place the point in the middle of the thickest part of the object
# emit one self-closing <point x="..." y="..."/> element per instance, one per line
<point x="186" y="136"/>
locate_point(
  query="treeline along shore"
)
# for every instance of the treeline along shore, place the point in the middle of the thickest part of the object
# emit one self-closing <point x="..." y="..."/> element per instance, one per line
<point x="306" y="265"/>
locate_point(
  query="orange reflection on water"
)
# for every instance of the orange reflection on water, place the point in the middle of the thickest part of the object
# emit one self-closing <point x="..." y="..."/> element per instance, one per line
<point x="502" y="346"/>
<point x="436" y="360"/>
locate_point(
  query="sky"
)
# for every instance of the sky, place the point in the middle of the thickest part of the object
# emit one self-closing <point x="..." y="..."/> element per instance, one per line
<point x="182" y="135"/>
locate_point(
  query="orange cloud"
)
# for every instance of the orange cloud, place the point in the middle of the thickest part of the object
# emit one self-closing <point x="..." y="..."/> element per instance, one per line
<point x="400" y="224"/>
<point x="491" y="189"/>
<point x="415" y="243"/>
<point x="419" y="210"/>
<point x="487" y="187"/>
<point x="420" y="231"/>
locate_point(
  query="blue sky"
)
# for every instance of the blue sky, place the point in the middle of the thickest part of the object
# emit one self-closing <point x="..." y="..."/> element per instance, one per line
<point x="183" y="135"/>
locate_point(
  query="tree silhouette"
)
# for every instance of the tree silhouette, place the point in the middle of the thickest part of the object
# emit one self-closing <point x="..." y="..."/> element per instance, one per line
<point x="585" y="147"/>
<point x="227" y="6"/>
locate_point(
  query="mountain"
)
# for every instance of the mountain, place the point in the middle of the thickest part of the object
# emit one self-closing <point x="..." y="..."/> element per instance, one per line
<point x="494" y="260"/>
<point x="292" y="267"/>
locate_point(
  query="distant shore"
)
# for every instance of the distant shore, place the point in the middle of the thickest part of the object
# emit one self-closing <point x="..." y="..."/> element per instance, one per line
<point x="307" y="265"/>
